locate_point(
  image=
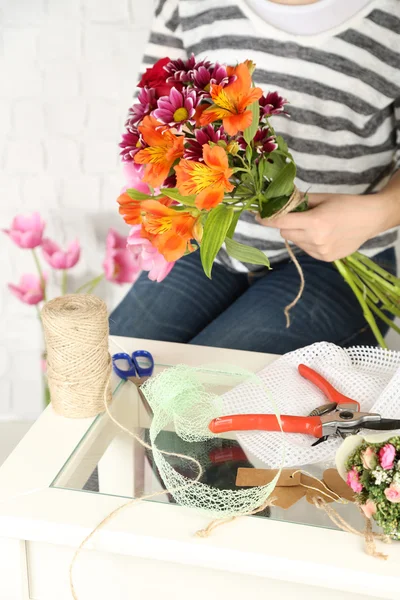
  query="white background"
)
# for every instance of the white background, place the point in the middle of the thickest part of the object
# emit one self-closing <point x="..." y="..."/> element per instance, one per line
<point x="67" y="73"/>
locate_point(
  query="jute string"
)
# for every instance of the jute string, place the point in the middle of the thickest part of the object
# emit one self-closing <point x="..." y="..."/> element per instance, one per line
<point x="78" y="362"/>
<point x="368" y="535"/>
<point x="294" y="201"/>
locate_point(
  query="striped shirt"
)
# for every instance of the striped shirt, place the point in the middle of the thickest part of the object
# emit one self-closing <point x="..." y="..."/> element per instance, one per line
<point x="343" y="86"/>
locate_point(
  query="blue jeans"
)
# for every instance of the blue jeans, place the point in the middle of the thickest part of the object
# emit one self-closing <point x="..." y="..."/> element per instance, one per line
<point x="246" y="311"/>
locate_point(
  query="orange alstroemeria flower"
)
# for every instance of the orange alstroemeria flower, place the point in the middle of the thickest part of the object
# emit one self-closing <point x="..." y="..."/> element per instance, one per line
<point x="131" y="210"/>
<point x="232" y="101"/>
<point x="169" y="230"/>
<point x="164" y="148"/>
<point x="208" y="181"/>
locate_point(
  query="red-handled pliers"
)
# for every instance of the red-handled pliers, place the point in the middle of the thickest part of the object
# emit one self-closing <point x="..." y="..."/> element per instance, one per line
<point x="341" y="416"/>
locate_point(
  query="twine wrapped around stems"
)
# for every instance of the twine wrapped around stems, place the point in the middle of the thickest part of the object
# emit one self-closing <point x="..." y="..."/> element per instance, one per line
<point x="78" y="362"/>
<point x="294" y="201"/>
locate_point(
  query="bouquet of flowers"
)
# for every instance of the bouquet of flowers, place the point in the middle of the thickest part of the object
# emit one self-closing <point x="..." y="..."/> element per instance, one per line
<point x="373" y="473"/>
<point x="199" y="150"/>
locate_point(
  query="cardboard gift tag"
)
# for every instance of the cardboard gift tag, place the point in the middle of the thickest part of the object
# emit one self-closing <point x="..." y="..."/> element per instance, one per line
<point x="257" y="477"/>
<point x="315" y="489"/>
<point x="335" y="483"/>
<point x="287" y="490"/>
<point x="285" y="497"/>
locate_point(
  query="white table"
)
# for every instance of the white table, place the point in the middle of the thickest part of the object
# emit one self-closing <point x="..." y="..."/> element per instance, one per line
<point x="150" y="550"/>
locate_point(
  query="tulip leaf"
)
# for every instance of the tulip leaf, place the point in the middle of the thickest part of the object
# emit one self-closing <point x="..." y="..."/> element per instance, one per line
<point x="283" y="183"/>
<point x="215" y="230"/>
<point x="246" y="254"/>
<point x="174" y="194"/>
<point x="135" y="195"/>
<point x="251" y="130"/>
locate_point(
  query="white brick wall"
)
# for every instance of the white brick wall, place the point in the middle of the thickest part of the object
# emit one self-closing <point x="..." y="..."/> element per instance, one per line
<point x="68" y="70"/>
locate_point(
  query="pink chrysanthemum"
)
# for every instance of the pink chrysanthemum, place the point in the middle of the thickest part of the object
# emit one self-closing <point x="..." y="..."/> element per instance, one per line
<point x="203" y="77"/>
<point x="272" y="104"/>
<point x="183" y="70"/>
<point x="147" y="103"/>
<point x="177" y="108"/>
<point x="264" y="142"/>
<point x="131" y="143"/>
<point x="194" y="150"/>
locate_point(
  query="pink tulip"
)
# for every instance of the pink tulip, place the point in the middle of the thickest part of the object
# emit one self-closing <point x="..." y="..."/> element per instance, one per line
<point x="26" y="230"/>
<point x="60" y="259"/>
<point x="387" y="455"/>
<point x="133" y="174"/>
<point x="148" y="256"/>
<point x="29" y="289"/>
<point x="119" y="265"/>
<point x="392" y="493"/>
<point x="369" y="508"/>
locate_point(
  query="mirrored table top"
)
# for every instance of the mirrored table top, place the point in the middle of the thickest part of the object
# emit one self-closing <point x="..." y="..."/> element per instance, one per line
<point x="109" y="461"/>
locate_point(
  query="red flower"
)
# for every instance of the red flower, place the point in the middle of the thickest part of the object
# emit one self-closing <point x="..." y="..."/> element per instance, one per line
<point x="156" y="78"/>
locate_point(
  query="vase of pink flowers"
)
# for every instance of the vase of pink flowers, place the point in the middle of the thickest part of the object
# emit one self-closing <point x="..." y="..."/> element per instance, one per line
<point x="125" y="258"/>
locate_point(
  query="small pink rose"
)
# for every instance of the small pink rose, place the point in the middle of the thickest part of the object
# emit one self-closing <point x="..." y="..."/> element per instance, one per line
<point x="392" y="493"/>
<point x="369" y="508"/>
<point x="61" y="259"/>
<point x="26" y="230"/>
<point x="387" y="455"/>
<point x="147" y="256"/>
<point x="353" y="480"/>
<point x="119" y="264"/>
<point x="369" y="458"/>
<point x="29" y="290"/>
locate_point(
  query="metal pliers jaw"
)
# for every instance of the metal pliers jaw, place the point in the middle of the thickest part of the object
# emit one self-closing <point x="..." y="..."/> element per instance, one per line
<point x="342" y="420"/>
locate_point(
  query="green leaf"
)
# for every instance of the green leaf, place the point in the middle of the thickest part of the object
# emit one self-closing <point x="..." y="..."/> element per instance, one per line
<point x="251" y="130"/>
<point x="283" y="183"/>
<point x="249" y="154"/>
<point x="261" y="169"/>
<point x="174" y="194"/>
<point x="135" y="195"/>
<point x="233" y="224"/>
<point x="272" y="206"/>
<point x="246" y="254"/>
<point x="282" y="145"/>
<point x="215" y="230"/>
<point x="272" y="169"/>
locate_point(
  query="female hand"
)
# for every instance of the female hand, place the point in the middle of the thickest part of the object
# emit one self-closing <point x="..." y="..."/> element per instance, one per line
<point x="336" y="225"/>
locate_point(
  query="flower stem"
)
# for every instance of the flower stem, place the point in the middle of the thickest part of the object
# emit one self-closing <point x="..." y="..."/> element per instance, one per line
<point x="384" y="317"/>
<point x="39" y="269"/>
<point x="369" y="317"/>
<point x="64" y="282"/>
<point x="89" y="286"/>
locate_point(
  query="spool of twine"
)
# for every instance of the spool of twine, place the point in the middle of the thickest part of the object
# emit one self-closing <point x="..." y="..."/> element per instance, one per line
<point x="78" y="362"/>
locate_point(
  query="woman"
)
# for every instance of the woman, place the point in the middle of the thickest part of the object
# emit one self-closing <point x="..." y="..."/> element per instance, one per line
<point x="338" y="63"/>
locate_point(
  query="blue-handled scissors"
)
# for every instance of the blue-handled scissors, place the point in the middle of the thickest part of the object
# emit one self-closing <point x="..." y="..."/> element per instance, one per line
<point x="140" y="365"/>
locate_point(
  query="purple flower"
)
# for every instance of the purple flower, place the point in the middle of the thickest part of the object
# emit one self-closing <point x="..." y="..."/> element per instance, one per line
<point x="147" y="103"/>
<point x="130" y="144"/>
<point x="182" y="70"/>
<point x="264" y="142"/>
<point x="203" y="77"/>
<point x="194" y="151"/>
<point x="177" y="108"/>
<point x="272" y="104"/>
<point x="170" y="182"/>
